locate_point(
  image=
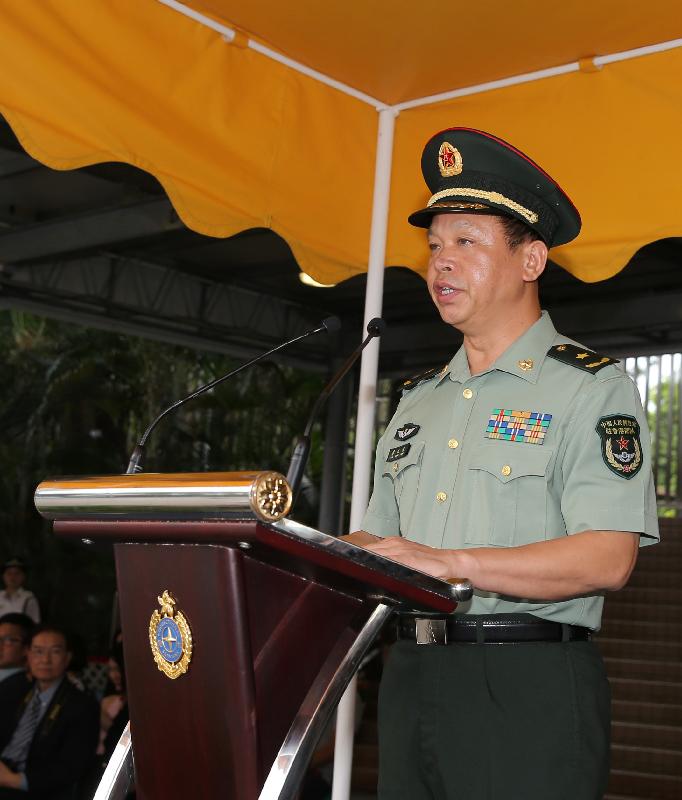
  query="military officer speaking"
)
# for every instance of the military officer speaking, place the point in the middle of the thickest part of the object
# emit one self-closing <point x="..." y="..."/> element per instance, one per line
<point x="523" y="465"/>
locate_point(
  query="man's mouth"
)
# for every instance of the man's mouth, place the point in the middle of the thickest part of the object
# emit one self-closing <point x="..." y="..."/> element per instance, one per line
<point x="445" y="290"/>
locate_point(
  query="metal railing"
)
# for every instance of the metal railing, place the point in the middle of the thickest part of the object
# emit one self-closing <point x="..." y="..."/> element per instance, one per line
<point x="658" y="378"/>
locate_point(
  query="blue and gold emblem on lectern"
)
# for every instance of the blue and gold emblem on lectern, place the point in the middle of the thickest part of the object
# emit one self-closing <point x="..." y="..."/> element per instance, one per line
<point x="170" y="638"/>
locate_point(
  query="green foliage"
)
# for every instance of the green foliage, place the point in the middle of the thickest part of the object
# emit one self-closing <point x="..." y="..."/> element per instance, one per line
<point x="667" y="511"/>
<point x="663" y="416"/>
<point x="75" y="401"/>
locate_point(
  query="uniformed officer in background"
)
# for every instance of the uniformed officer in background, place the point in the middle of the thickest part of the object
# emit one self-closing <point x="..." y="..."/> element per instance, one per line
<point x="523" y="465"/>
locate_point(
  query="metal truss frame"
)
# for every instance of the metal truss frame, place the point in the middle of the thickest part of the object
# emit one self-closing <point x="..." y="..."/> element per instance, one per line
<point x="138" y="297"/>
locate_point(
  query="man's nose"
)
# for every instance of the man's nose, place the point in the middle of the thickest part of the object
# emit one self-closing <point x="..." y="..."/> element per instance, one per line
<point x="444" y="262"/>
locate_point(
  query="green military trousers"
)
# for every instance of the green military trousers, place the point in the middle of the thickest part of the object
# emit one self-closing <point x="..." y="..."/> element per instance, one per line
<point x="523" y="721"/>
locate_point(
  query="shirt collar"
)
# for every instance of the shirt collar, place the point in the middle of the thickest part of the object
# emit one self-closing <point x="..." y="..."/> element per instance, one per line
<point x="458" y="368"/>
<point x="523" y="358"/>
<point x="49" y="693"/>
<point x="5" y="672"/>
<point x="20" y="592"/>
<point x="527" y="354"/>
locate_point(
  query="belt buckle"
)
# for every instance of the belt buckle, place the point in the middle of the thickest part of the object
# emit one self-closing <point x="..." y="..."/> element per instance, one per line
<point x="431" y="631"/>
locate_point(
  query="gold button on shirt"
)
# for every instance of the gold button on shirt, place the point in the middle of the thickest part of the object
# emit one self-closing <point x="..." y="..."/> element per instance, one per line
<point x="504" y="493"/>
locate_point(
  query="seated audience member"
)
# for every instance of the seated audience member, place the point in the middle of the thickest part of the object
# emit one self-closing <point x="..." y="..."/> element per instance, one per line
<point x="114" y="706"/>
<point x="14" y="598"/>
<point x="48" y="728"/>
<point x="15" y="634"/>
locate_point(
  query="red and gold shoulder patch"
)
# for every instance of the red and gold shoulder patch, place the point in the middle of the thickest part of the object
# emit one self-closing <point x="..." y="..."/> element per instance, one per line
<point x="579" y="357"/>
<point x="621" y="447"/>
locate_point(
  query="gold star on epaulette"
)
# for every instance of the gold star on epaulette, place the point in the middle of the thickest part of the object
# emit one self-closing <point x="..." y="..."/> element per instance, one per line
<point x="579" y="357"/>
<point x="410" y="383"/>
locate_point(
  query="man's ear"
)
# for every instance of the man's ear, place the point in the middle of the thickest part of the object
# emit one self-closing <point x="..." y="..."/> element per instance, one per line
<point x="535" y="260"/>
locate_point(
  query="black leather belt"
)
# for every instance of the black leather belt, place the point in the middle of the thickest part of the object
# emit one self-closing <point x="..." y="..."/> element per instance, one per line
<point x="486" y="629"/>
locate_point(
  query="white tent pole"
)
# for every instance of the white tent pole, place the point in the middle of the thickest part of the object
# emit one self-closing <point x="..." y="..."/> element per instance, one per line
<point x="229" y="34"/>
<point x="364" y="449"/>
<point x="541" y="74"/>
<point x="480" y="88"/>
<point x="364" y="430"/>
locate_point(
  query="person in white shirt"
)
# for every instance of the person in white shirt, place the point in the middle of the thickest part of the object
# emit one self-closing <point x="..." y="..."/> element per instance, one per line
<point x="14" y="598"/>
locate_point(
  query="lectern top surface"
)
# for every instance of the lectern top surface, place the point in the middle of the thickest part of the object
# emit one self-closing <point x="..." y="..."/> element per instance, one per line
<point x="457" y="589"/>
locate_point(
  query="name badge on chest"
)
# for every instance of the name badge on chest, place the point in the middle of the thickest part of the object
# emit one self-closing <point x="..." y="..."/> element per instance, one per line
<point x="398" y="452"/>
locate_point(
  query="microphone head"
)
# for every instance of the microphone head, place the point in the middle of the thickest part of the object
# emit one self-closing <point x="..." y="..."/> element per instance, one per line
<point x="376" y="326"/>
<point x="331" y="324"/>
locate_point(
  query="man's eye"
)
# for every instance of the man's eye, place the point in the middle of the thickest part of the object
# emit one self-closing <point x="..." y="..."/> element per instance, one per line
<point x="433" y="246"/>
<point x="462" y="240"/>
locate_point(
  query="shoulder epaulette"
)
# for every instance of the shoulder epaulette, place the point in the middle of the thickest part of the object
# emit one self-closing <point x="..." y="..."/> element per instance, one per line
<point x="410" y="383"/>
<point x="579" y="357"/>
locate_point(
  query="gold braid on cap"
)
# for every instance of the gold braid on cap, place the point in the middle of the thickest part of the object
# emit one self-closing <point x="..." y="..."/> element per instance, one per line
<point x="491" y="197"/>
<point x="462" y="206"/>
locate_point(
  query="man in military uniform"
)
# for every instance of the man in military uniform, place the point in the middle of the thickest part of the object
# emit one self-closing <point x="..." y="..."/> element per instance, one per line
<point x="523" y="465"/>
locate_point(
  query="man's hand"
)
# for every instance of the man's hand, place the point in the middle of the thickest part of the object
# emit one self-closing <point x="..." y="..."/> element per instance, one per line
<point x="442" y="564"/>
<point x="9" y="779"/>
<point x="360" y="538"/>
<point x="555" y="569"/>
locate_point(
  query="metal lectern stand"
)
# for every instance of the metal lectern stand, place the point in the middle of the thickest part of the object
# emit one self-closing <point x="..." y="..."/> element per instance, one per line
<point x="279" y="616"/>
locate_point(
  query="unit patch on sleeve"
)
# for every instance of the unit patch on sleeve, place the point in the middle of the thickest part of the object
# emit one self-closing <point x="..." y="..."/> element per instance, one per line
<point x="408" y="430"/>
<point x="398" y="452"/>
<point x="529" y="427"/>
<point x="621" y="448"/>
<point x="579" y="357"/>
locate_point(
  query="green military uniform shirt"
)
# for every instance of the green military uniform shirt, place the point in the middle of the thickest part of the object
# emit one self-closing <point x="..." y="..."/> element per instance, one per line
<point x="531" y="449"/>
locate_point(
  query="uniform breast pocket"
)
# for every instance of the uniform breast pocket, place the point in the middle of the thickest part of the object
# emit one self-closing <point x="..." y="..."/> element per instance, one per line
<point x="508" y="497"/>
<point x="404" y="473"/>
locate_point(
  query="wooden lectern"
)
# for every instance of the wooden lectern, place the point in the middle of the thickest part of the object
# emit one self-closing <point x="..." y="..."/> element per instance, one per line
<point x="277" y="618"/>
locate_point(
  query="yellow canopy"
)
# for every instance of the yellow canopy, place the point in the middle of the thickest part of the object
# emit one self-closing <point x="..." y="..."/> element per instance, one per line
<point x="239" y="140"/>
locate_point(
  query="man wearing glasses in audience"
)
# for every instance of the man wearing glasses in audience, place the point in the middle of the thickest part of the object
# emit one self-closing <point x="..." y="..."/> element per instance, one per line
<point x="15" y="634"/>
<point x="48" y="727"/>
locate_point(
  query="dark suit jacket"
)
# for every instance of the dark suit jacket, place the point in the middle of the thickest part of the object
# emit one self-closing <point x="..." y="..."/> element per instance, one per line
<point x="64" y="743"/>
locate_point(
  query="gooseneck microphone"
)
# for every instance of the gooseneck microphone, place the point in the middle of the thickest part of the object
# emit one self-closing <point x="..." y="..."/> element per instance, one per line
<point x="299" y="459"/>
<point x="328" y="325"/>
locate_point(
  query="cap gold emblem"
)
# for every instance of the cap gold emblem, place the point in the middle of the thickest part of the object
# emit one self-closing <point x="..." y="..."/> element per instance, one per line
<point x="170" y="638"/>
<point x="449" y="160"/>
